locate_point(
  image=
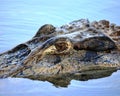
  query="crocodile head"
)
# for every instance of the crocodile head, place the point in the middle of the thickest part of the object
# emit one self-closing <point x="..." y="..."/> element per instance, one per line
<point x="80" y="47"/>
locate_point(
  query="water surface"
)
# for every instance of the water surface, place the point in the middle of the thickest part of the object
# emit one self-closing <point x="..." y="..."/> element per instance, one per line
<point x="19" y="21"/>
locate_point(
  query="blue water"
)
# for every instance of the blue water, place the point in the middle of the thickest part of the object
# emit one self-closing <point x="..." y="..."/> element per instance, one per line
<point x="19" y="21"/>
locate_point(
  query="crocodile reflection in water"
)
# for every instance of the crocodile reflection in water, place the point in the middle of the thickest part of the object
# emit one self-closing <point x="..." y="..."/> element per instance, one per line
<point x="64" y="80"/>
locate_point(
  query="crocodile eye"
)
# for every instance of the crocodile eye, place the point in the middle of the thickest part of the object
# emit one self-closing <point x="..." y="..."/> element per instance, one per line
<point x="62" y="46"/>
